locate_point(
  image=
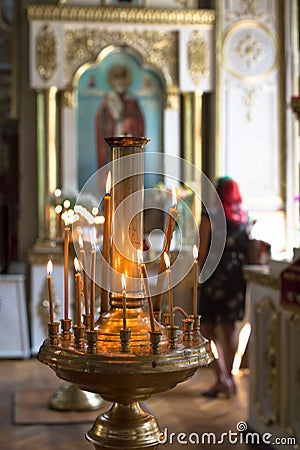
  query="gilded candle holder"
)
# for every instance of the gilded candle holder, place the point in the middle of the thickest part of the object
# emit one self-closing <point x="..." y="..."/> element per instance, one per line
<point x="127" y="366"/>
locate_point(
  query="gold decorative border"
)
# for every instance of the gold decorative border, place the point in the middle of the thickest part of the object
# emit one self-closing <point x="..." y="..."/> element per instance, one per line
<point x="121" y="15"/>
<point x="261" y="277"/>
<point x="198" y="55"/>
<point x="46" y="52"/>
<point x="86" y="46"/>
<point x="288" y="422"/>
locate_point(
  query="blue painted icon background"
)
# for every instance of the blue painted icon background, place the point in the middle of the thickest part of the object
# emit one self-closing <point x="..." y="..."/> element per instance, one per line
<point x="146" y="86"/>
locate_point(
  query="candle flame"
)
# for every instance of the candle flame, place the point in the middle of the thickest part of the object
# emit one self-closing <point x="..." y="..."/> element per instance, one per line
<point x="76" y="264"/>
<point x="49" y="267"/>
<point x="57" y="192"/>
<point x="108" y="183"/>
<point x="93" y="239"/>
<point x="99" y="220"/>
<point x="167" y="260"/>
<point x="58" y="209"/>
<point x="195" y="252"/>
<point x="65" y="218"/>
<point x="174" y="198"/>
<point x="67" y="204"/>
<point x="214" y="349"/>
<point x="123" y="282"/>
<point x="80" y="241"/>
<point x="140" y="256"/>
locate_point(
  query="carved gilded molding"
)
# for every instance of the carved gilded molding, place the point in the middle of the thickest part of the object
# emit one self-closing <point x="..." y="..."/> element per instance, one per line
<point x="291" y="412"/>
<point x="157" y="48"/>
<point x="198" y="57"/>
<point x="46" y="52"/>
<point x="261" y="276"/>
<point x="268" y="360"/>
<point x="41" y="257"/>
<point x="121" y="15"/>
<point x="246" y="9"/>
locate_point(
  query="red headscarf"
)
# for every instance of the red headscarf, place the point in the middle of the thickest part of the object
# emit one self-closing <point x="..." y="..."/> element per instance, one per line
<point x="231" y="199"/>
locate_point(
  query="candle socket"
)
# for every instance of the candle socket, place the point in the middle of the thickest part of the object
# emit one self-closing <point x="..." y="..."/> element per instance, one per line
<point x="87" y="318"/>
<point x="125" y="338"/>
<point x="167" y="319"/>
<point x="172" y="336"/>
<point x="53" y="333"/>
<point x="66" y="332"/>
<point x="187" y="325"/>
<point x="79" y="336"/>
<point x="157" y="316"/>
<point x="196" y="327"/>
<point x="91" y="336"/>
<point x="155" y="338"/>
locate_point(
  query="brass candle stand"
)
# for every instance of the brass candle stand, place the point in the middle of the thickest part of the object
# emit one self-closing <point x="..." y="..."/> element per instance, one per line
<point x="123" y="358"/>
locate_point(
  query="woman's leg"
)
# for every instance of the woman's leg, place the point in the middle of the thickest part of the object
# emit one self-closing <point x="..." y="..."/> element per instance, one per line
<point x="231" y="339"/>
<point x="223" y="383"/>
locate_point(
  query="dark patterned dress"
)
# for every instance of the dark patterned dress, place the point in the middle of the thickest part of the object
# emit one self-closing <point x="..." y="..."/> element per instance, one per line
<point x="222" y="296"/>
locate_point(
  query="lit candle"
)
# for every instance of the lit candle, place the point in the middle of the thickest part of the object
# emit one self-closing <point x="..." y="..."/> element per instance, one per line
<point x="170" y="227"/>
<point x="85" y="276"/>
<point x="67" y="204"/>
<point x="58" y="211"/>
<point x="105" y="248"/>
<point x="170" y="294"/>
<point x="93" y="285"/>
<point x="66" y="265"/>
<point x="173" y="214"/>
<point x="57" y="194"/>
<point x="78" y="291"/>
<point x="49" y="278"/>
<point x="95" y="211"/>
<point x="144" y="275"/>
<point x="195" y="254"/>
<point x="124" y="301"/>
<point x="99" y="220"/>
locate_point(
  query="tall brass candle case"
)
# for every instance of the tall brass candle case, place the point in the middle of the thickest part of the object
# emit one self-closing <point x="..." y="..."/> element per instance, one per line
<point x="129" y="377"/>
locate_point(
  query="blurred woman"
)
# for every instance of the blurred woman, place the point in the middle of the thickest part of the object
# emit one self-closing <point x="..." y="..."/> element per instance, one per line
<point x="222" y="296"/>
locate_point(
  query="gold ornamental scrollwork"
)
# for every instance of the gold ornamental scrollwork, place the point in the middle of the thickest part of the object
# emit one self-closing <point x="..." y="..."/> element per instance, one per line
<point x="46" y="52"/>
<point x="157" y="49"/>
<point x="198" y="57"/>
<point x="123" y="15"/>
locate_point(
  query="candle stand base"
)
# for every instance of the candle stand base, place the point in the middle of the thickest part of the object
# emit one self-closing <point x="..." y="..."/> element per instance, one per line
<point x="122" y="424"/>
